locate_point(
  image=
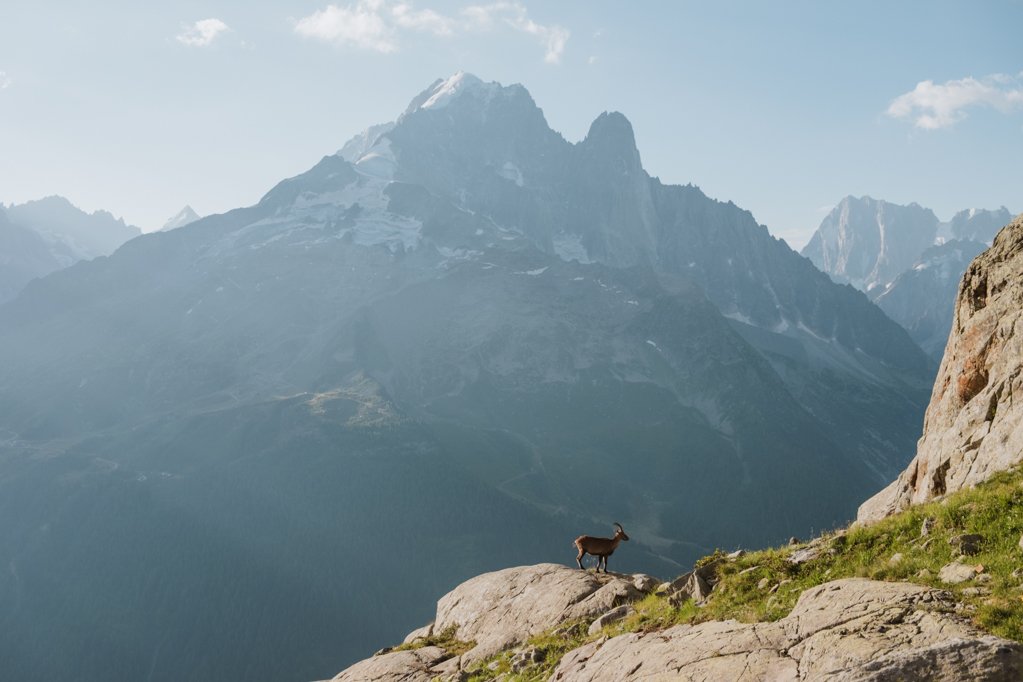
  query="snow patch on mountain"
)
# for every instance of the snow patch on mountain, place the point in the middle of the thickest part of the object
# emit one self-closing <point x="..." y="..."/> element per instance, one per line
<point x="358" y="211"/>
<point x="180" y="219"/>
<point x="569" y="247"/>
<point x="460" y="83"/>
<point x="509" y="171"/>
<point x="378" y="161"/>
<point x="357" y="147"/>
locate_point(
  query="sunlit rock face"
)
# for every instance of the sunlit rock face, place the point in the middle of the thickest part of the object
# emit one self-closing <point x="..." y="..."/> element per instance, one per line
<point x="973" y="428"/>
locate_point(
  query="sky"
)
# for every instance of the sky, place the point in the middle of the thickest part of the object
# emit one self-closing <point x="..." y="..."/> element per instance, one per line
<point x="783" y="108"/>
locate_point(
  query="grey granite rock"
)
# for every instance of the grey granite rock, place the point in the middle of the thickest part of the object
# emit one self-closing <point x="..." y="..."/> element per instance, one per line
<point x="844" y="630"/>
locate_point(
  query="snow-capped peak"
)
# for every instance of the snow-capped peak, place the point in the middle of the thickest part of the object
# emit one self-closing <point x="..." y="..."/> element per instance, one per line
<point x="181" y="218"/>
<point x="451" y="88"/>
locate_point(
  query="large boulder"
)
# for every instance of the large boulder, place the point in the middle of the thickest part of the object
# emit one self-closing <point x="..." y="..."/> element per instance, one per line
<point x="398" y="666"/>
<point x="973" y="428"/>
<point x="852" y="629"/>
<point x="502" y="609"/>
<point x="499" y="611"/>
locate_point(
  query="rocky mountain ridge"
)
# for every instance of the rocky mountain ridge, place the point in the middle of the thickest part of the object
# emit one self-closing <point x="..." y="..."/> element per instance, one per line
<point x="46" y="235"/>
<point x="869" y="242"/>
<point x="904" y="258"/>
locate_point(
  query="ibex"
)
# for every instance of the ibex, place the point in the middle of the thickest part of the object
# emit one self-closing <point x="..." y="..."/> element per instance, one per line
<point x="601" y="548"/>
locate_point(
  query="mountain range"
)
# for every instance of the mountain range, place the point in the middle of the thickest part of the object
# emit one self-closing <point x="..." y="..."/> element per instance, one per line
<point x="906" y="260"/>
<point x="452" y="346"/>
<point x="42" y="236"/>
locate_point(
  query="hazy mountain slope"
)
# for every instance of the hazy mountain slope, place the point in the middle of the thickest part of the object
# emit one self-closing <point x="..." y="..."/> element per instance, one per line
<point x="39" y="237"/>
<point x="905" y="258"/>
<point x="24" y="255"/>
<point x="922" y="298"/>
<point x="458" y="352"/>
<point x="868" y="242"/>
<point x="83" y="235"/>
<point x="489" y="149"/>
<point x="237" y="544"/>
<point x="564" y="403"/>
<point x="979" y="225"/>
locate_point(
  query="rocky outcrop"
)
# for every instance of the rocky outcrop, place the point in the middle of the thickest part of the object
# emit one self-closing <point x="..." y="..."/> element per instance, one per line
<point x="974" y="423"/>
<point x="501" y="609"/>
<point x="852" y="629"/>
<point x="416" y="665"/>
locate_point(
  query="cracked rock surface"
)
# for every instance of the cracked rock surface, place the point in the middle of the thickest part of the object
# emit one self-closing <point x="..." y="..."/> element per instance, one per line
<point x="853" y="629"/>
<point x="973" y="427"/>
<point x="399" y="666"/>
<point x="502" y="609"/>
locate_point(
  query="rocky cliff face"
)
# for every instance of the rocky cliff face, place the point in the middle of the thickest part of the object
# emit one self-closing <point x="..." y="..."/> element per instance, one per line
<point x="868" y="242"/>
<point x="974" y="424"/>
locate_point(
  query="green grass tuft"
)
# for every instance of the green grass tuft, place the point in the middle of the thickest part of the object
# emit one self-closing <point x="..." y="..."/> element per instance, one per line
<point x="445" y="640"/>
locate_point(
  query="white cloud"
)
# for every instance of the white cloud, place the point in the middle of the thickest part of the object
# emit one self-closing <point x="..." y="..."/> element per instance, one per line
<point x="941" y="105"/>
<point x="515" y="15"/>
<point x="362" y="25"/>
<point x="202" y="33"/>
<point x="5" y="80"/>
<point x="422" y="20"/>
<point x="377" y="24"/>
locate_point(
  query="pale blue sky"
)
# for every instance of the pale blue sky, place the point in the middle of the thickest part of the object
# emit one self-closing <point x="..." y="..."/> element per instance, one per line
<point x="783" y="108"/>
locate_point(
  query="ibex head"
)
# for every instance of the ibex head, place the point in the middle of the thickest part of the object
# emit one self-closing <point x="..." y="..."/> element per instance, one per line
<point x="620" y="533"/>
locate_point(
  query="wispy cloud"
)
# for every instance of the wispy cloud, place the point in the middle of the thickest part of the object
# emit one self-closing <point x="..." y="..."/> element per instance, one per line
<point x="5" y="80"/>
<point x="515" y="15"/>
<point x="377" y="25"/>
<point x="423" y="20"/>
<point x="360" y="25"/>
<point x="202" y="33"/>
<point x="932" y="106"/>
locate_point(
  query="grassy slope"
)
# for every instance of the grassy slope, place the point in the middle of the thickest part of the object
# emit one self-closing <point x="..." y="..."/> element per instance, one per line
<point x="993" y="509"/>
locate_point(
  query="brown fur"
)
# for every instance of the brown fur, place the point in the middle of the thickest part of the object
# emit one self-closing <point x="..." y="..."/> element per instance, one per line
<point x="601" y="548"/>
